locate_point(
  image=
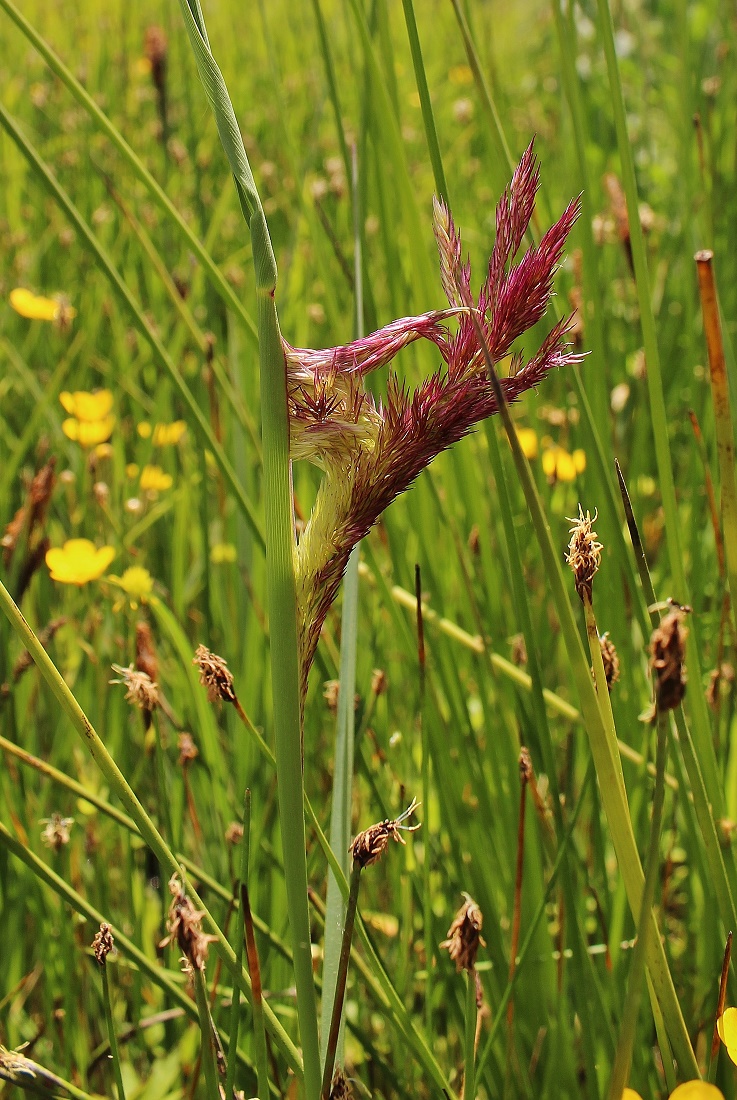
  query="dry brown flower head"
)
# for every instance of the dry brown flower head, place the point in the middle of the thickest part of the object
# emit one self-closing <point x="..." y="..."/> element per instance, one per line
<point x="370" y="845"/>
<point x="146" y="659"/>
<point x="378" y="682"/>
<point x="188" y="751"/>
<point x="215" y="675"/>
<point x="234" y="833"/>
<point x="141" y="691"/>
<point x="341" y="1086"/>
<point x="183" y="926"/>
<point x="584" y="552"/>
<point x="103" y="943"/>
<point x="464" y="935"/>
<point x="56" y="833"/>
<point x="330" y="695"/>
<point x="610" y="659"/>
<point x="667" y="653"/>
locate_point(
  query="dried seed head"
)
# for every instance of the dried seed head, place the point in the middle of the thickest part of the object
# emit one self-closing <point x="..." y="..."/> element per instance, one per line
<point x="56" y="833"/>
<point x="183" y="927"/>
<point x="214" y="675"/>
<point x="341" y="1086"/>
<point x="378" y="682"/>
<point x="611" y="660"/>
<point x="370" y="845"/>
<point x="584" y="553"/>
<point x="141" y="691"/>
<point x="464" y="935"/>
<point x="146" y="659"/>
<point x="519" y="650"/>
<point x="667" y="652"/>
<point x="188" y="751"/>
<point x="330" y="695"/>
<point x="103" y="943"/>
<point x="234" y="833"/>
<point x="155" y="46"/>
<point x="525" y="765"/>
<point x="718" y="676"/>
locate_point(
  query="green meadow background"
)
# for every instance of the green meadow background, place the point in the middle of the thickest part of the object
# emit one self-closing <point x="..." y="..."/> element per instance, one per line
<point x="303" y="99"/>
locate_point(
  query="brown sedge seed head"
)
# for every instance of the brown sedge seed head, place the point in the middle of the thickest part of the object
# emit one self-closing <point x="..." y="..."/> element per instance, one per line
<point x="584" y="553"/>
<point x="369" y="845"/>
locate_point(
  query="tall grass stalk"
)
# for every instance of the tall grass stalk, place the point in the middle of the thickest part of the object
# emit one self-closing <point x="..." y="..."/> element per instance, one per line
<point x="282" y="598"/>
<point x="342" y="796"/>
<point x="604" y="753"/>
<point x="118" y="783"/>
<point x="658" y="415"/>
<point x="239" y="937"/>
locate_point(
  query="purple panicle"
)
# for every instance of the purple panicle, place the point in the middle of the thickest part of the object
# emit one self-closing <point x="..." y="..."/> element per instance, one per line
<point x="372" y="451"/>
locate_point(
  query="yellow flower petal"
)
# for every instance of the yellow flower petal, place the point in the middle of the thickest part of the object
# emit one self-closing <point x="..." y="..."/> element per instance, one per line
<point x="131" y="470"/>
<point x="630" y="1094"/>
<point x="104" y="450"/>
<point x="136" y="582"/>
<point x="565" y="467"/>
<point x="579" y="460"/>
<point x="168" y="434"/>
<point x="33" y="306"/>
<point x="153" y="479"/>
<point x="87" y="406"/>
<point x="144" y="429"/>
<point x="727" y="1028"/>
<point x="460" y="74"/>
<point x="78" y="561"/>
<point x="223" y="552"/>
<point x="88" y="433"/>
<point x="528" y="442"/>
<point x="697" y="1090"/>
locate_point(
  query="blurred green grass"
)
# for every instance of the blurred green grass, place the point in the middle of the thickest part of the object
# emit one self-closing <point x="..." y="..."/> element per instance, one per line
<point x="677" y="61"/>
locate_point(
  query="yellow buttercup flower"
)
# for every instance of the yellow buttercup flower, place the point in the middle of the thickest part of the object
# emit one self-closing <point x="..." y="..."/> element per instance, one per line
<point x="132" y="471"/>
<point x="169" y="434"/>
<point x="137" y="583"/>
<point x="37" y="308"/>
<point x="144" y="429"/>
<point x="223" y="552"/>
<point x="87" y="406"/>
<point x="103" y="450"/>
<point x="559" y="465"/>
<point x="154" y="480"/>
<point x="78" y="561"/>
<point x="88" y="433"/>
<point x="528" y="442"/>
<point x="727" y="1028"/>
<point x="697" y="1090"/>
<point x="460" y="74"/>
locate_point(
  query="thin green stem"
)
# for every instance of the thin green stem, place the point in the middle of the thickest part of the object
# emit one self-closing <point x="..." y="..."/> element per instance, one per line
<point x="606" y="760"/>
<point x="658" y="415"/>
<point x="340" y="983"/>
<point x="469" y="1044"/>
<point x="625" y="1046"/>
<point x="235" y="1011"/>
<point x="254" y="968"/>
<point x="118" y="783"/>
<point x="157" y="192"/>
<point x="112" y="1038"/>
<point x="423" y="91"/>
<point x="206" y="1037"/>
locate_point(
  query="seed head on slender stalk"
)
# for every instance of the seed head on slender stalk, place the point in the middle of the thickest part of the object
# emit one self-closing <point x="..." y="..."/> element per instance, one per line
<point x="584" y="553"/>
<point x="369" y="846"/>
<point x="141" y="691"/>
<point x="464" y="935"/>
<point x="667" y="656"/>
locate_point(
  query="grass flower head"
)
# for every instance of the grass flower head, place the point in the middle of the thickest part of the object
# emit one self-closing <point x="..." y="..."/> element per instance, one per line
<point x="78" y="561"/>
<point x="372" y="450"/>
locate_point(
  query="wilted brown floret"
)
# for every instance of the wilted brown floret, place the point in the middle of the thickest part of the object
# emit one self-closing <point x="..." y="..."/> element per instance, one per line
<point x="341" y="1087"/>
<point x="330" y="695"/>
<point x="214" y="675"/>
<point x="584" y="553"/>
<point x="56" y="833"/>
<point x="234" y="833"/>
<point x="464" y="935"/>
<point x="525" y="765"/>
<point x="32" y="512"/>
<point x="667" y="652"/>
<point x="188" y="751"/>
<point x="141" y="691"/>
<point x="378" y="682"/>
<point x="370" y="845"/>
<point x="103" y="943"/>
<point x="155" y="46"/>
<point x="183" y="927"/>
<point x="146" y="659"/>
<point x="718" y="676"/>
<point x="611" y="660"/>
